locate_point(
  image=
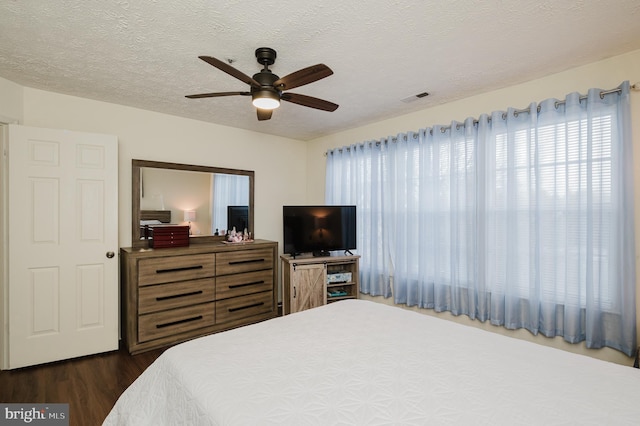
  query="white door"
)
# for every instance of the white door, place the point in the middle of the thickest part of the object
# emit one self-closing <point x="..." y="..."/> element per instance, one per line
<point x="63" y="240"/>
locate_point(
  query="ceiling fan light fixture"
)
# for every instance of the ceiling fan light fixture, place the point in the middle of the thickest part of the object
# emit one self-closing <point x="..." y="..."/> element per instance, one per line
<point x="265" y="99"/>
<point x="268" y="89"/>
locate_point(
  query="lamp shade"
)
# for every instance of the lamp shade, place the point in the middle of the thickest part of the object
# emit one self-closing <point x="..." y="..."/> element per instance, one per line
<point x="189" y="215"/>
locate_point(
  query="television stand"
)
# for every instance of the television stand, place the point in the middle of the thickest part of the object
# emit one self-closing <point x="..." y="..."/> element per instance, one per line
<point x="309" y="281"/>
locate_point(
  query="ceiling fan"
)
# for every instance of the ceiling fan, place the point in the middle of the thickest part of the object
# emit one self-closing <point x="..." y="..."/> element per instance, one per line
<point x="267" y="89"/>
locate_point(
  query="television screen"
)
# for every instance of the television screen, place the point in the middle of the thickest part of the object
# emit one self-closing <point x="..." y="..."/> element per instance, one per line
<point x="319" y="229"/>
<point x="238" y="217"/>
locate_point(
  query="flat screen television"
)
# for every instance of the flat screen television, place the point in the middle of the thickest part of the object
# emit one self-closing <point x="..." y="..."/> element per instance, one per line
<point x="238" y="217"/>
<point x="319" y="229"/>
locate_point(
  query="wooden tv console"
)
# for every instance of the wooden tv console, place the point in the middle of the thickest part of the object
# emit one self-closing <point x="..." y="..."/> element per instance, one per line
<point x="307" y="281"/>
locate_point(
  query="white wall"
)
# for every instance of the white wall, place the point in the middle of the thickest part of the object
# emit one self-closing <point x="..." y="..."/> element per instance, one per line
<point x="279" y="171"/>
<point x="11" y="104"/>
<point x="605" y="74"/>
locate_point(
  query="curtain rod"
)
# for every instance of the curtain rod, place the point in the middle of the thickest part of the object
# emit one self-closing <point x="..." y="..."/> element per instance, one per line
<point x="603" y="93"/>
<point x="443" y="129"/>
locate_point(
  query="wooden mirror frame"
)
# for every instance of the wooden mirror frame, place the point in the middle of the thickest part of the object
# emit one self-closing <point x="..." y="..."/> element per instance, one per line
<point x="137" y="165"/>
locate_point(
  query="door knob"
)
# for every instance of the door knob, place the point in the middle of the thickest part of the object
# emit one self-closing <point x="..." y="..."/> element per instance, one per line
<point x="110" y="254"/>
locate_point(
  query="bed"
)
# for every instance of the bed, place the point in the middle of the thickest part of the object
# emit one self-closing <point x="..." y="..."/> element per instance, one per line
<point x="357" y="362"/>
<point x="151" y="218"/>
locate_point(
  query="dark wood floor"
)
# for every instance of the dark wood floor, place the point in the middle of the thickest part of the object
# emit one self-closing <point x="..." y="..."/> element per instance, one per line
<point x="90" y="385"/>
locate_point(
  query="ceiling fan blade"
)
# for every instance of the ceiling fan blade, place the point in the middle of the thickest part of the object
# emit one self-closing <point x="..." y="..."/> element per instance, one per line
<point x="309" y="101"/>
<point x="302" y="77"/>
<point x="218" y="94"/>
<point x="264" y="114"/>
<point x="223" y="66"/>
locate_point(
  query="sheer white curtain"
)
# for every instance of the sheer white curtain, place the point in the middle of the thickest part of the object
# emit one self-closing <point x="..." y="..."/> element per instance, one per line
<point x="228" y="190"/>
<point x="354" y="177"/>
<point x="523" y="217"/>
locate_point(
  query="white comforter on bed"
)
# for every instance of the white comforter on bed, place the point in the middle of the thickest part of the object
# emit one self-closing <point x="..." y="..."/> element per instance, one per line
<point x="363" y="363"/>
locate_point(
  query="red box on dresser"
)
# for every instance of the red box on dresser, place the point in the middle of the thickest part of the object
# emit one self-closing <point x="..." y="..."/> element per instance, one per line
<point x="170" y="236"/>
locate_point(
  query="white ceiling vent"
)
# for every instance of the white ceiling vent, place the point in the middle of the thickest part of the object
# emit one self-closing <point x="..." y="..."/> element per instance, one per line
<point x="415" y="97"/>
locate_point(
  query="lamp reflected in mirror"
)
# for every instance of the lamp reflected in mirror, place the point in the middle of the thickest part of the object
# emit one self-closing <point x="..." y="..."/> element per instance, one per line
<point x="320" y="223"/>
<point x="190" y="216"/>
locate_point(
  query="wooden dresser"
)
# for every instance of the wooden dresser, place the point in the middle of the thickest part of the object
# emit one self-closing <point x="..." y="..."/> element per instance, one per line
<point x="175" y="294"/>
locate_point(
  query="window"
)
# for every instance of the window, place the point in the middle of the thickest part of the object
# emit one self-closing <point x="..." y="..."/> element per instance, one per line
<point x="523" y="219"/>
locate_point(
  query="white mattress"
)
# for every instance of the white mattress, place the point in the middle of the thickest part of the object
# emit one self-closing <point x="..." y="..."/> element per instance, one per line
<point x="363" y="363"/>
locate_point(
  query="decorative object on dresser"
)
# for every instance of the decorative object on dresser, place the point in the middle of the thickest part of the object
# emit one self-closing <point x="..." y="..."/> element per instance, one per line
<point x="311" y="281"/>
<point x="165" y="236"/>
<point x="176" y="294"/>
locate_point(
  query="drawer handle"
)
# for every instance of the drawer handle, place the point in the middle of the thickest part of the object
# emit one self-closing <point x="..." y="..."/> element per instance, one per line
<point x="174" y="296"/>
<point x="239" y="262"/>
<point x="246" y="284"/>
<point x="245" y="307"/>
<point x="184" y="268"/>
<point x="169" y="324"/>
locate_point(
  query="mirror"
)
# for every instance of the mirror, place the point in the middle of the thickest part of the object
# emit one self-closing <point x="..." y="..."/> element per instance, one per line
<point x="205" y="198"/>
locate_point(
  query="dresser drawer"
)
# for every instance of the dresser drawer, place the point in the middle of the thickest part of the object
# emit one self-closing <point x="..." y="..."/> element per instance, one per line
<point x="240" y="284"/>
<point x="244" y="261"/>
<point x="171" y="322"/>
<point x="160" y="297"/>
<point x="244" y="306"/>
<point x="175" y="268"/>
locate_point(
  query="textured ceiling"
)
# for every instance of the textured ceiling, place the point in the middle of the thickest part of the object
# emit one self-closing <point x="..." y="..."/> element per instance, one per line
<point x="144" y="54"/>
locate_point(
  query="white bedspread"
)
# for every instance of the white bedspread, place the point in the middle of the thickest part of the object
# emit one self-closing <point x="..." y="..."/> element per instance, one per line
<point x="363" y="363"/>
